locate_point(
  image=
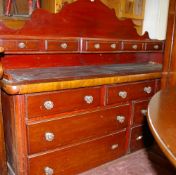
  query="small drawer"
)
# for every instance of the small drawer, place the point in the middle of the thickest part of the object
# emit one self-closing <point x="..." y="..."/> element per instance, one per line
<point x="61" y="132"/>
<point x="140" y="138"/>
<point x="62" y="45"/>
<point x="156" y="46"/>
<point x="80" y="157"/>
<point x="140" y="112"/>
<point x="20" y="45"/>
<point x="103" y="46"/>
<point x="132" y="46"/>
<point x="62" y="101"/>
<point x="130" y="91"/>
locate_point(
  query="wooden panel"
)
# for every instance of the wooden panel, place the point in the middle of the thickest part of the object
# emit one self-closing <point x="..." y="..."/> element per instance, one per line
<point x="3" y="163"/>
<point x="62" y="45"/>
<point x="15" y="132"/>
<point x="169" y="67"/>
<point x="129" y="91"/>
<point x="62" y="101"/>
<point x="78" y="158"/>
<point x="132" y="46"/>
<point x="140" y="112"/>
<point x="140" y="137"/>
<point x="73" y="129"/>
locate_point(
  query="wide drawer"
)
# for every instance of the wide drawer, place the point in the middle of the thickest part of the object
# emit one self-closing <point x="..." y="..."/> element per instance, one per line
<point x="130" y="91"/>
<point x="103" y="46"/>
<point x="133" y="46"/>
<point x="140" y="112"/>
<point x="140" y="138"/>
<point x="62" y="101"/>
<point x="62" y="45"/>
<point x="154" y="46"/>
<point x="20" y="45"/>
<point x="73" y="129"/>
<point x="73" y="160"/>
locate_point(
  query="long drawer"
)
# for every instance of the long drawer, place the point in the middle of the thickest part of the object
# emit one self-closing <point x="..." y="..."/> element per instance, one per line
<point x="73" y="129"/>
<point x="62" y="101"/>
<point x="130" y="91"/>
<point x="78" y="158"/>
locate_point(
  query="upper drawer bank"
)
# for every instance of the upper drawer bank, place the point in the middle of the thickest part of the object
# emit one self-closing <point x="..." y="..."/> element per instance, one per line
<point x="78" y="45"/>
<point x="62" y="101"/>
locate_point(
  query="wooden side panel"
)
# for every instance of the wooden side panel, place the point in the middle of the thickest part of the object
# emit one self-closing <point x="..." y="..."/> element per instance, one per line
<point x="3" y="164"/>
<point x="169" y="69"/>
<point x="14" y="126"/>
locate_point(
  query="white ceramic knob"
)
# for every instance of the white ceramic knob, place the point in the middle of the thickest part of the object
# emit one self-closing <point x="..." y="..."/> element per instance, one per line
<point x="120" y="118"/>
<point x="115" y="146"/>
<point x="113" y="46"/>
<point x="88" y="99"/>
<point x="64" y="45"/>
<point x="48" y="171"/>
<point x="134" y="46"/>
<point x="97" y="46"/>
<point x="156" y="46"/>
<point x="49" y="136"/>
<point x="139" y="138"/>
<point x="48" y="105"/>
<point x="21" y="45"/>
<point x="144" y="112"/>
<point x="148" y="89"/>
<point x="123" y="94"/>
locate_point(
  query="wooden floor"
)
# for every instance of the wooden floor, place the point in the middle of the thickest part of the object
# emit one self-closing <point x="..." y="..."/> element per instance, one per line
<point x="142" y="162"/>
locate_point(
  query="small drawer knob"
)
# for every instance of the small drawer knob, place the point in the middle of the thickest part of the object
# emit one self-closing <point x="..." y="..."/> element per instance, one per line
<point x="113" y="46"/>
<point x="120" y="118"/>
<point x="88" y="99"/>
<point x="156" y="46"/>
<point x="134" y="46"/>
<point x="139" y="138"/>
<point x="144" y="112"/>
<point x="123" y="94"/>
<point x="97" y="46"/>
<point x="115" y="146"/>
<point x="49" y="136"/>
<point x="48" y="105"/>
<point x="148" y="89"/>
<point x="48" y="171"/>
<point x="21" y="45"/>
<point x="64" y="45"/>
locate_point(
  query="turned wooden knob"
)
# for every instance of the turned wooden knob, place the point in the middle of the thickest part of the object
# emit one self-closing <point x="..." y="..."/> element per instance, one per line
<point x="1" y="49"/>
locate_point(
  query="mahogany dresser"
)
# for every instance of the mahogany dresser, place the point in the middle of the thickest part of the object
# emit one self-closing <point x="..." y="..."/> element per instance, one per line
<point x="75" y="89"/>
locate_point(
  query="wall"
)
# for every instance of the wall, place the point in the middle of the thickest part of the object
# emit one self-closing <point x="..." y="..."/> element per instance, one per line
<point x="155" y="18"/>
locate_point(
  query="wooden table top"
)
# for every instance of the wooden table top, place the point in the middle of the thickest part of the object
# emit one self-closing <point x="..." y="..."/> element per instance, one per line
<point x="162" y="121"/>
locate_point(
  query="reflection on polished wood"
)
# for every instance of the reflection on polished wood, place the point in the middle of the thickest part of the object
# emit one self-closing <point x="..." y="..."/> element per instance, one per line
<point x="162" y="121"/>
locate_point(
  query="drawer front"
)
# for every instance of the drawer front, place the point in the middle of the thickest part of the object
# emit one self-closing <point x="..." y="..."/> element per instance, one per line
<point x="157" y="46"/>
<point x="130" y="91"/>
<point x="73" y="160"/>
<point x="103" y="46"/>
<point x="132" y="46"/>
<point x="62" y="101"/>
<point x="62" y="45"/>
<point x="140" y="112"/>
<point x="20" y="45"/>
<point x="52" y="134"/>
<point x="140" y="138"/>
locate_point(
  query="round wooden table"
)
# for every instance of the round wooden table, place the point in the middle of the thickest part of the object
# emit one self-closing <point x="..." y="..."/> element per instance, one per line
<point x="162" y="121"/>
